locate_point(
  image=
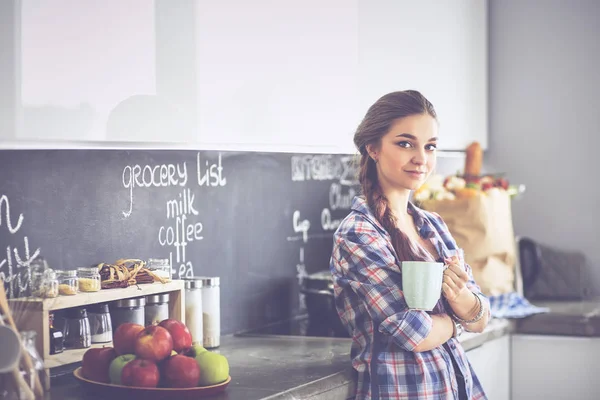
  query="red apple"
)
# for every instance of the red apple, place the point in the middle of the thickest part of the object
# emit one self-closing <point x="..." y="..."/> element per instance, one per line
<point x="140" y="373"/>
<point x="125" y="336"/>
<point x="154" y="343"/>
<point x="182" y="338"/>
<point x="181" y="372"/>
<point x="96" y="362"/>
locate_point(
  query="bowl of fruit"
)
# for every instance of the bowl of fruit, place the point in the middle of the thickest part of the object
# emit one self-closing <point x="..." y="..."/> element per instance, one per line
<point x="153" y="362"/>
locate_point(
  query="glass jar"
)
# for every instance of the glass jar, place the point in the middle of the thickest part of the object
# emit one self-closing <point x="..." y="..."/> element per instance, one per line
<point x="157" y="308"/>
<point x="77" y="329"/>
<point x="211" y="312"/>
<point x="37" y="362"/>
<point x="44" y="284"/>
<point x="127" y="310"/>
<point x="67" y="282"/>
<point x="37" y="268"/>
<point x="88" y="279"/>
<point x="100" y="323"/>
<point x="193" y="309"/>
<point x="160" y="266"/>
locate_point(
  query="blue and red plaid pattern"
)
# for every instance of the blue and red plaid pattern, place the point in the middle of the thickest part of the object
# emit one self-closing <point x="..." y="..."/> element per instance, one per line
<point x="369" y="300"/>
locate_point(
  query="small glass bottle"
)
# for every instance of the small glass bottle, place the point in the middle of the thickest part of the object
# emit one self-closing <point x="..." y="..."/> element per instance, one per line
<point x="157" y="308"/>
<point x="211" y="312"/>
<point x="193" y="309"/>
<point x="88" y="279"/>
<point x="56" y="338"/>
<point x="160" y="266"/>
<point x="67" y="282"/>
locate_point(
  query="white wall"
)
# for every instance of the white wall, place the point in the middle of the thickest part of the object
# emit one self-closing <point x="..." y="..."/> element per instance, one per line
<point x="544" y="118"/>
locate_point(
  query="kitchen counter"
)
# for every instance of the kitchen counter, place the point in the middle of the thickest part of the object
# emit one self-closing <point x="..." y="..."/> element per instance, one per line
<point x="286" y="367"/>
<point x="566" y="318"/>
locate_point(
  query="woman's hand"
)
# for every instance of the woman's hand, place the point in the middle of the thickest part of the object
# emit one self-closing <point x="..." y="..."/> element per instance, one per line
<point x="455" y="279"/>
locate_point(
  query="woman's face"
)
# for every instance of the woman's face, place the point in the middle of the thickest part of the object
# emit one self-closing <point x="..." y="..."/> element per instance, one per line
<point x="407" y="153"/>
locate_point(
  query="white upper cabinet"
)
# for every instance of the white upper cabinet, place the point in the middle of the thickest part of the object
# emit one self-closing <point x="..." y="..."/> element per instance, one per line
<point x="436" y="47"/>
<point x="277" y="73"/>
<point x="294" y="75"/>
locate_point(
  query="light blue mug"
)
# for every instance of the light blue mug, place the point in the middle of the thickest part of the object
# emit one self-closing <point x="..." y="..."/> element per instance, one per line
<point x="422" y="283"/>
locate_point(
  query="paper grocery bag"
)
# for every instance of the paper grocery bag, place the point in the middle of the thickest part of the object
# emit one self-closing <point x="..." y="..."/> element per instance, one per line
<point x="482" y="226"/>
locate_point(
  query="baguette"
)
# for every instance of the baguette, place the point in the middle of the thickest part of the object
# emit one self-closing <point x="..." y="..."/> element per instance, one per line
<point x="474" y="159"/>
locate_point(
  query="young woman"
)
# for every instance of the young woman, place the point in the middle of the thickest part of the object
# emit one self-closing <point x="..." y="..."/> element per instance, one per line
<point x="401" y="353"/>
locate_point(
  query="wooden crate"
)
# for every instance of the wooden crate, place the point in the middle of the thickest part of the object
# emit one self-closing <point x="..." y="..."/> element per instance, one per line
<point x="36" y="314"/>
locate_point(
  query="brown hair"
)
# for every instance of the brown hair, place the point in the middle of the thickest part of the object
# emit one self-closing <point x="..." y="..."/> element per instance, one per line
<point x="377" y="123"/>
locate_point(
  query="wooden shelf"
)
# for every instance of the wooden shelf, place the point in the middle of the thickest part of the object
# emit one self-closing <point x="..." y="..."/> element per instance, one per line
<point x="101" y="296"/>
<point x="34" y="314"/>
<point x="69" y="356"/>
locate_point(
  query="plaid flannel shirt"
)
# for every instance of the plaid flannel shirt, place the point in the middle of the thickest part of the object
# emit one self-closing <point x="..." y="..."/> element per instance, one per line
<point x="369" y="300"/>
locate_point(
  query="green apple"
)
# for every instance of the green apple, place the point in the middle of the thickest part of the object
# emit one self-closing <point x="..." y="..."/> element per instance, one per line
<point x="116" y="366"/>
<point x="194" y="350"/>
<point x="214" y="368"/>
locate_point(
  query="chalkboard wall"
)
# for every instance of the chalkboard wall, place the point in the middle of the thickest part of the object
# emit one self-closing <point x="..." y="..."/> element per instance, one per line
<point x="257" y="220"/>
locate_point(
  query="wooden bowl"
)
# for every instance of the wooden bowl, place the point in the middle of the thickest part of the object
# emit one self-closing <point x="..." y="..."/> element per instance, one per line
<point x="108" y="391"/>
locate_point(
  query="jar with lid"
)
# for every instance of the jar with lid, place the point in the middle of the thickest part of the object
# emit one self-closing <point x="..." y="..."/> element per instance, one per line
<point x="211" y="312"/>
<point x="88" y="279"/>
<point x="160" y="266"/>
<point x="37" y="268"/>
<point x="100" y="323"/>
<point x="44" y="284"/>
<point x="127" y="310"/>
<point x="77" y="329"/>
<point x="67" y="282"/>
<point x="193" y="309"/>
<point x="157" y="308"/>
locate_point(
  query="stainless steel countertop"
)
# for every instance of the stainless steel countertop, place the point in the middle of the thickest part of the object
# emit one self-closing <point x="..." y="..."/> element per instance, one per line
<point x="288" y="367"/>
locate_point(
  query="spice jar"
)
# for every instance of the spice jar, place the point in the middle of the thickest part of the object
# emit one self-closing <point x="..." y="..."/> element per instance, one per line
<point x="211" y="312"/>
<point x="160" y="266"/>
<point x="89" y="279"/>
<point x="157" y="308"/>
<point x="67" y="282"/>
<point x="127" y="310"/>
<point x="77" y="329"/>
<point x="193" y="309"/>
<point x="100" y="323"/>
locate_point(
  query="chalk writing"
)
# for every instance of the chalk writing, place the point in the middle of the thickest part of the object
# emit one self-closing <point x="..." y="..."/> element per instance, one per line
<point x="338" y="199"/>
<point x="168" y="175"/>
<point x="15" y="268"/>
<point x="152" y="176"/>
<point x="212" y="175"/>
<point x="300" y="275"/>
<point x="183" y="231"/>
<point x="12" y="229"/>
<point x="322" y="167"/>
<point x="327" y="223"/>
<point x="301" y="226"/>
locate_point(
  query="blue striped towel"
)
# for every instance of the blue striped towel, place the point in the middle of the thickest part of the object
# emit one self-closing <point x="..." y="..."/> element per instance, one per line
<point x="513" y="305"/>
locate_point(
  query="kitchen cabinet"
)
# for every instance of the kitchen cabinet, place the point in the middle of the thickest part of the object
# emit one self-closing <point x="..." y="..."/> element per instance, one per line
<point x="292" y="76"/>
<point x="554" y="367"/>
<point x="491" y="363"/>
<point x="436" y="47"/>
